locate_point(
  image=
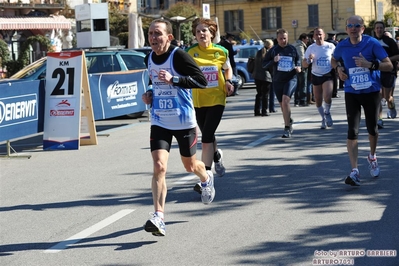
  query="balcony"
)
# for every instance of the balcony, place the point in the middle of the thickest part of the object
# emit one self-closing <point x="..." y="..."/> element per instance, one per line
<point x="32" y="4"/>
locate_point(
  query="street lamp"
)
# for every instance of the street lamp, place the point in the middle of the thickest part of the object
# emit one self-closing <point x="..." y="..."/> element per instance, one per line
<point x="178" y="20"/>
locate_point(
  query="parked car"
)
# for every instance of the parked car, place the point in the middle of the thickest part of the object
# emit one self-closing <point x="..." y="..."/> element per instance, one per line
<point x="241" y="59"/>
<point x="145" y="49"/>
<point x="97" y="61"/>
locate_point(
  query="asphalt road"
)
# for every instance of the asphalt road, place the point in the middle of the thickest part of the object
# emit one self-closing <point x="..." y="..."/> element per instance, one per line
<point x="281" y="202"/>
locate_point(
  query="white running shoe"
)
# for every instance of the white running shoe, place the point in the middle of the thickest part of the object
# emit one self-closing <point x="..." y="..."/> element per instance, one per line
<point x="323" y="124"/>
<point x="373" y="166"/>
<point x="155" y="225"/>
<point x="219" y="167"/>
<point x="329" y="120"/>
<point x="353" y="179"/>
<point x="208" y="192"/>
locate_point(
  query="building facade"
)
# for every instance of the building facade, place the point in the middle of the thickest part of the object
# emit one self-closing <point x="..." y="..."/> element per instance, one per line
<point x="260" y="18"/>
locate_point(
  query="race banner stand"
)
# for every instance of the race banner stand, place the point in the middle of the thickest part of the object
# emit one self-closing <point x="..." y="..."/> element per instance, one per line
<point x="88" y="135"/>
<point x="68" y="115"/>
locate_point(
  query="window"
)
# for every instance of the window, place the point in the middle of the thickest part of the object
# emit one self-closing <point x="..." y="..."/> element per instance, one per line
<point x="102" y="63"/>
<point x="84" y="25"/>
<point x="133" y="62"/>
<point x="247" y="52"/>
<point x="271" y="18"/>
<point x="233" y="20"/>
<point x="99" y="24"/>
<point x="313" y="13"/>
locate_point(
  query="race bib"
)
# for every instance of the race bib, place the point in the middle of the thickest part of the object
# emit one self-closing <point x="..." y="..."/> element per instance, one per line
<point x="285" y="64"/>
<point x="211" y="75"/>
<point x="166" y="104"/>
<point x="323" y="62"/>
<point x="360" y="78"/>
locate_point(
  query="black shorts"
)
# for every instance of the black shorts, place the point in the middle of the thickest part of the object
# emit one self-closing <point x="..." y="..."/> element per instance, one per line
<point x="161" y="139"/>
<point x="208" y="119"/>
<point x="316" y="80"/>
<point x="387" y="80"/>
<point x="371" y="107"/>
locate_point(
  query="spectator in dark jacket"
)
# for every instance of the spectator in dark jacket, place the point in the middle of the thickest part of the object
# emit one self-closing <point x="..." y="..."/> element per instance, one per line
<point x="226" y="42"/>
<point x="263" y="81"/>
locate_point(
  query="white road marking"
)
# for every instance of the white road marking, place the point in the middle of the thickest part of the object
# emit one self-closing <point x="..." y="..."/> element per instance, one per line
<point x="258" y="141"/>
<point x="87" y="232"/>
<point x="267" y="137"/>
<point x="185" y="180"/>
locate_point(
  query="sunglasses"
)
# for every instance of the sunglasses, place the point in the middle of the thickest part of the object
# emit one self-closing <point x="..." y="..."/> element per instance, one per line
<point x="350" y="26"/>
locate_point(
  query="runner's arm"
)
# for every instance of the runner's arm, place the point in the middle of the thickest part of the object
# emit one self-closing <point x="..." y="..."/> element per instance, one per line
<point x="191" y="74"/>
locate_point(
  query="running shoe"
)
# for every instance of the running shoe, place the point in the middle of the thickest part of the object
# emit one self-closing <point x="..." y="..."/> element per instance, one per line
<point x="393" y="113"/>
<point x="380" y="123"/>
<point x="373" y="166"/>
<point x="208" y="192"/>
<point x="197" y="187"/>
<point x="329" y="120"/>
<point x="353" y="179"/>
<point x="219" y="167"/>
<point x="291" y="123"/>
<point x="392" y="109"/>
<point x="286" y="134"/>
<point x="323" y="124"/>
<point x="155" y="225"/>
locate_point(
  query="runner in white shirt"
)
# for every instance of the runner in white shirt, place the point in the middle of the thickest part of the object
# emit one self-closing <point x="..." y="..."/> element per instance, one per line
<point x="319" y="55"/>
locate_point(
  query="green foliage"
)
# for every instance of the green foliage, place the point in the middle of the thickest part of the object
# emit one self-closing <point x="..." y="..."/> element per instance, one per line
<point x="14" y="66"/>
<point x="186" y="10"/>
<point x="388" y="15"/>
<point x="123" y="38"/>
<point x="4" y="53"/>
<point x="118" y="22"/>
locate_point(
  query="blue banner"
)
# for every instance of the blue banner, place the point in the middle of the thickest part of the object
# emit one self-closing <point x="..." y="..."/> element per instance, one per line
<point x="21" y="109"/>
<point x="113" y="94"/>
<point x="117" y="94"/>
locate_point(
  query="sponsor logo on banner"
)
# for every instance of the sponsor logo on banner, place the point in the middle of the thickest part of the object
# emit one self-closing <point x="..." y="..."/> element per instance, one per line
<point x="17" y="110"/>
<point x="122" y="91"/>
<point x="62" y="107"/>
<point x="70" y="112"/>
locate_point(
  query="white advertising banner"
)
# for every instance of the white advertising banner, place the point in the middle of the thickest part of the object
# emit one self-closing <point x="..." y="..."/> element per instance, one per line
<point x="63" y="101"/>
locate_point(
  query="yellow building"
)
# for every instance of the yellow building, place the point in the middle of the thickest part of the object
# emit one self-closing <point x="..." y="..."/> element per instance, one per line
<point x="260" y="18"/>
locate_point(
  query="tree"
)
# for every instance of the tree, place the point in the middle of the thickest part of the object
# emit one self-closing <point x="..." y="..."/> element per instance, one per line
<point x="118" y="24"/>
<point x="388" y="15"/>
<point x="4" y="53"/>
<point x="14" y="66"/>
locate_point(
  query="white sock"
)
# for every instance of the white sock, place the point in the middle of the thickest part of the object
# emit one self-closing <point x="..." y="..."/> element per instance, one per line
<point x="327" y="107"/>
<point x="321" y="111"/>
<point x="160" y="214"/>
<point x="356" y="170"/>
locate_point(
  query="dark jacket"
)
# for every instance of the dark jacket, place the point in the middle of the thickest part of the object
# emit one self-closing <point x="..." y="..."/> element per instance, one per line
<point x="226" y="44"/>
<point x="259" y="72"/>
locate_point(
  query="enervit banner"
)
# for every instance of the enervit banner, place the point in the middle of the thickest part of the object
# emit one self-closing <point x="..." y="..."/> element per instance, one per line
<point x="21" y="109"/>
<point x="112" y="95"/>
<point x="118" y="93"/>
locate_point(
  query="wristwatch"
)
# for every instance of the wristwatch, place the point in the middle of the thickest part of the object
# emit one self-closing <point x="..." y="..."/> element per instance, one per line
<point x="229" y="81"/>
<point x="175" y="79"/>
